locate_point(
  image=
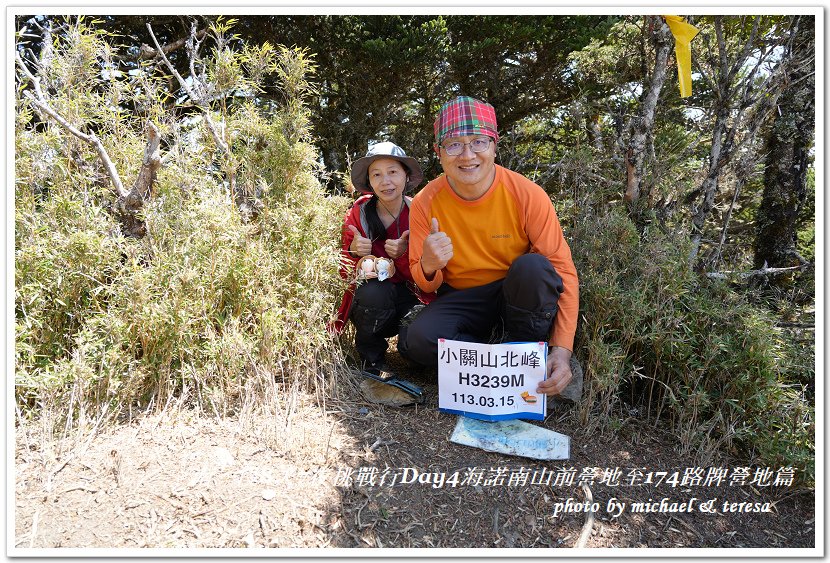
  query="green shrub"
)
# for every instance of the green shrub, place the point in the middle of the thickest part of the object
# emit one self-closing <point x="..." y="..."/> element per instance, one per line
<point x="214" y="305"/>
<point x="694" y="352"/>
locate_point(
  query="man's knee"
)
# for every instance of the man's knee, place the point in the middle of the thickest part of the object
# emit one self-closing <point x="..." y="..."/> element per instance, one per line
<point x="532" y="283"/>
<point x="532" y="266"/>
<point x="419" y="342"/>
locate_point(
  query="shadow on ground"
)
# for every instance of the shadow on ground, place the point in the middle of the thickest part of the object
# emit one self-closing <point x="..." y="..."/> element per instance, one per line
<point x="347" y="473"/>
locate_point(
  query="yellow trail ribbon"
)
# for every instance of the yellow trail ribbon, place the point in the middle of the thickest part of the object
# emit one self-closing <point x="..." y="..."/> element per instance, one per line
<point x="683" y="34"/>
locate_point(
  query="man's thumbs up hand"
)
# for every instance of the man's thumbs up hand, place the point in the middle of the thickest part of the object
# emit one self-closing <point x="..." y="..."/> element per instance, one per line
<point x="360" y="244"/>
<point x="437" y="250"/>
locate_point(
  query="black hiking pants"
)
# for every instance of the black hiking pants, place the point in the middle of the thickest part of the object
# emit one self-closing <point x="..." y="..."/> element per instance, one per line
<point x="519" y="308"/>
<point x="376" y="312"/>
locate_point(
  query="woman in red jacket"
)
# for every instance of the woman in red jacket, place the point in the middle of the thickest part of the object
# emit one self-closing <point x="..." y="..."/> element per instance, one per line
<point x="377" y="225"/>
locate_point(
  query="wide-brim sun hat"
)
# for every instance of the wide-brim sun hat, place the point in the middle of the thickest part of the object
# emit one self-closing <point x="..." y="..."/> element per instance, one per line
<point x="387" y="149"/>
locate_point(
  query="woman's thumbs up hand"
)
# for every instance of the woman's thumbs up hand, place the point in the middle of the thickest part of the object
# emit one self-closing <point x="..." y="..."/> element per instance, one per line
<point x="360" y="244"/>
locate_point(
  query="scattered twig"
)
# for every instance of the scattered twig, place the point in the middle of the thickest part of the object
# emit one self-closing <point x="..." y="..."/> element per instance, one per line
<point x="328" y="445"/>
<point x="406" y="529"/>
<point x="263" y="524"/>
<point x="174" y="503"/>
<point x="808" y="326"/>
<point x="78" y="488"/>
<point x="589" y="519"/>
<point x="380" y="442"/>
<point x="765" y="271"/>
<point x="360" y="526"/>
<point x="116" y="466"/>
<point x="35" y="519"/>
<point x="351" y="534"/>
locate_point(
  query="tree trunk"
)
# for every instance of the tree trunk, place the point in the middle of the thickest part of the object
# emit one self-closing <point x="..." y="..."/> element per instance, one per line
<point x="592" y="123"/>
<point x="331" y="161"/>
<point x="743" y="102"/>
<point x="788" y="146"/>
<point x="635" y="157"/>
<point x="709" y="187"/>
<point x="129" y="205"/>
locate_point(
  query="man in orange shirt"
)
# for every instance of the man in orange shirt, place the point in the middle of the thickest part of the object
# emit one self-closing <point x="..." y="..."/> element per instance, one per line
<point x="489" y="242"/>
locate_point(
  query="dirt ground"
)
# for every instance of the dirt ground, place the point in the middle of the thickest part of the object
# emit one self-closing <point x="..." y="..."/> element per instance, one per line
<point x="313" y="480"/>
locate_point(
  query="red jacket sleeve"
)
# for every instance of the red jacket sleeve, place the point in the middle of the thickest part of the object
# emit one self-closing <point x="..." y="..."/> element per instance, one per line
<point x="347" y="264"/>
<point x="347" y="236"/>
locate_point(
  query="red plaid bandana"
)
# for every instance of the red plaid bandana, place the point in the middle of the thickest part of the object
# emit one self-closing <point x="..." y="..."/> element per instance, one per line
<point x="465" y="116"/>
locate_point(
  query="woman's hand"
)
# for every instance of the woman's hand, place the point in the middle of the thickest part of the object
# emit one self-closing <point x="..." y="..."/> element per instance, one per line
<point x="395" y="248"/>
<point x="361" y="246"/>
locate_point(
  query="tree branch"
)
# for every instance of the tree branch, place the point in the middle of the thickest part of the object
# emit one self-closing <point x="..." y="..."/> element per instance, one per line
<point x="147" y="52"/>
<point x="746" y="49"/>
<point x="722" y="57"/>
<point x="743" y="173"/>
<point x="193" y="44"/>
<point x="190" y="92"/>
<point x="38" y="99"/>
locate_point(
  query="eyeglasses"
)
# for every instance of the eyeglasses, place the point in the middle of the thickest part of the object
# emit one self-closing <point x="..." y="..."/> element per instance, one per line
<point x="455" y="148"/>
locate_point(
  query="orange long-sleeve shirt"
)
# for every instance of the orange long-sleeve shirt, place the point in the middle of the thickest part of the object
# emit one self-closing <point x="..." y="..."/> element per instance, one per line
<point x="513" y="218"/>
